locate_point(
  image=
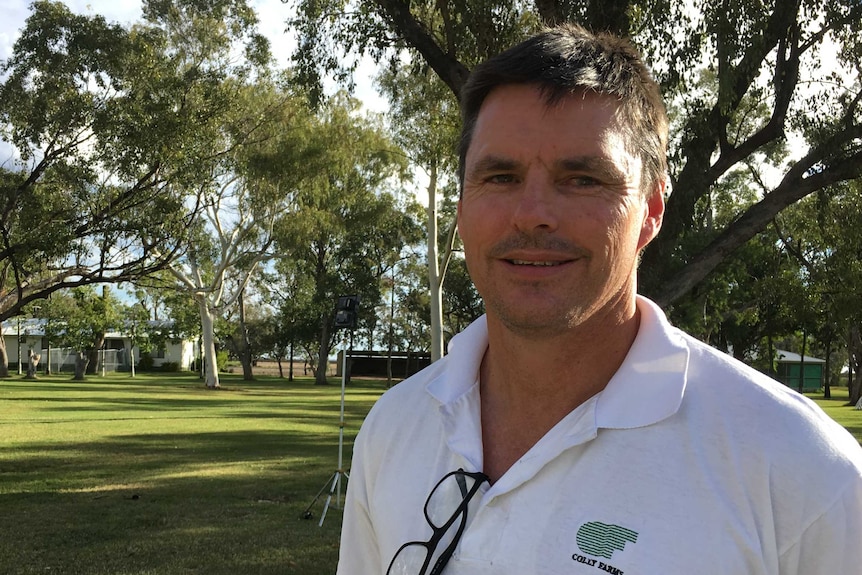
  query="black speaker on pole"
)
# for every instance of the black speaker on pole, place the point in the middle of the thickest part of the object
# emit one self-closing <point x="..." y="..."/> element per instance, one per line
<point x="345" y="311"/>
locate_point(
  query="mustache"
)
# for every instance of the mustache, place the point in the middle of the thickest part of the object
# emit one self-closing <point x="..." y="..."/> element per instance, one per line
<point x="540" y="242"/>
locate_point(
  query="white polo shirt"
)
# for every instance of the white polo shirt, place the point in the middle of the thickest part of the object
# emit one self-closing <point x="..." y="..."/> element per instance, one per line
<point x="688" y="462"/>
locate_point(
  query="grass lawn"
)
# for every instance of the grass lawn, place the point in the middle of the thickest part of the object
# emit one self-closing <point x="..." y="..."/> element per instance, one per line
<point x="838" y="410"/>
<point x="158" y="475"/>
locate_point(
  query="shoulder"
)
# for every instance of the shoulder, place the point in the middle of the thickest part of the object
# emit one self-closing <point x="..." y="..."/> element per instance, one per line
<point x="790" y="432"/>
<point x="747" y="415"/>
<point x="408" y="394"/>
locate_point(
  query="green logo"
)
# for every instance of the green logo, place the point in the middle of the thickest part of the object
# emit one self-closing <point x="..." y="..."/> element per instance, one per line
<point x="601" y="540"/>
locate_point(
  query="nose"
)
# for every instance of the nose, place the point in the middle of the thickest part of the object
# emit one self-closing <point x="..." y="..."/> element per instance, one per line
<point x="535" y="208"/>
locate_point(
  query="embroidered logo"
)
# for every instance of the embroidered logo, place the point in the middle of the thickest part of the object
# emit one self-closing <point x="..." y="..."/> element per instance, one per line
<point x="601" y="540"/>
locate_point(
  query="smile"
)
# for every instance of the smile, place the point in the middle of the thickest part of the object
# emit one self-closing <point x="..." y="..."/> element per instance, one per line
<point x="534" y="263"/>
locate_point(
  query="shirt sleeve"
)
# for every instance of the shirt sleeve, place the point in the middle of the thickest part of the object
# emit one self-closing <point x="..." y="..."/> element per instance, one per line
<point x="359" y="552"/>
<point x="831" y="544"/>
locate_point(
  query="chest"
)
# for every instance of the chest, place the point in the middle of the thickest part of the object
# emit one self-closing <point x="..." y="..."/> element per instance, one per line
<point x="605" y="506"/>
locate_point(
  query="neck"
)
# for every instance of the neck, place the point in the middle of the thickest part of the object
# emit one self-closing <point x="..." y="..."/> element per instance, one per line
<point x="578" y="361"/>
<point x="528" y="385"/>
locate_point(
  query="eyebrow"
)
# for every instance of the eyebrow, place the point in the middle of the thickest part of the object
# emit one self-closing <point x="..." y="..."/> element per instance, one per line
<point x="603" y="168"/>
<point x="493" y="163"/>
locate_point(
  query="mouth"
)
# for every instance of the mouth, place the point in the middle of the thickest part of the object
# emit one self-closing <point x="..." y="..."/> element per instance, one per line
<point x="547" y="264"/>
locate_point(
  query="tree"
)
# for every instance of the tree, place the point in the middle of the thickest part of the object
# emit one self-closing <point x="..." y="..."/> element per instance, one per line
<point x="823" y="233"/>
<point x="424" y="120"/>
<point x="345" y="223"/>
<point x="215" y="269"/>
<point x="767" y="54"/>
<point x="112" y="129"/>
<point x="135" y="321"/>
<point x="80" y="319"/>
<point x="240" y="205"/>
<point x="293" y="324"/>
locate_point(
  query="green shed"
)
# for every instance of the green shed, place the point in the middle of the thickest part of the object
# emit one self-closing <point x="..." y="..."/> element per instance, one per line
<point x="789" y="368"/>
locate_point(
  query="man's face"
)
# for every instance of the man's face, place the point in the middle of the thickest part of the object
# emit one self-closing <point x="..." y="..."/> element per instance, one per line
<point x="551" y="215"/>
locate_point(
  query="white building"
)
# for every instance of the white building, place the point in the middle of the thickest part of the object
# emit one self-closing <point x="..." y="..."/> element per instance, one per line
<point x="116" y="353"/>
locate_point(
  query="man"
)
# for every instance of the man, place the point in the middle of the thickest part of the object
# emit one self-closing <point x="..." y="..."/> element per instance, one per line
<point x="572" y="429"/>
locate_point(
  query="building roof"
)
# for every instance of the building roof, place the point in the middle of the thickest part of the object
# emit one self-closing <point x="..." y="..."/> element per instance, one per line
<point x="790" y="357"/>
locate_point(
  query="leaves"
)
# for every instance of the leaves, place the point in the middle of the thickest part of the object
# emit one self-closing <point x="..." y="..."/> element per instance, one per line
<point x="115" y="128"/>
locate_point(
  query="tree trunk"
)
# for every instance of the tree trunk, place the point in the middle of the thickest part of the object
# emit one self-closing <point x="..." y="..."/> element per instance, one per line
<point x="82" y="359"/>
<point x="827" y="389"/>
<point x="323" y="356"/>
<point x="802" y="361"/>
<point x="392" y="329"/>
<point x="290" y="365"/>
<point x="855" y="355"/>
<point x="856" y="390"/>
<point x="132" y="359"/>
<point x="4" y="358"/>
<point x="245" y="348"/>
<point x="208" y="336"/>
<point x="93" y="363"/>
<point x="434" y="280"/>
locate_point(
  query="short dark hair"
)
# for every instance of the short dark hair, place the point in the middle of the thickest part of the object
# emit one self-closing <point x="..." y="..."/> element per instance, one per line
<point x="569" y="59"/>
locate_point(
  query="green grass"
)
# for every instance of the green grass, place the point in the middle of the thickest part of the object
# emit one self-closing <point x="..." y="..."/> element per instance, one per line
<point x="838" y="409"/>
<point x="158" y="475"/>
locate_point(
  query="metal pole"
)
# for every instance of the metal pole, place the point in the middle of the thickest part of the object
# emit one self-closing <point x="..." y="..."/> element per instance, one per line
<point x="341" y="427"/>
<point x="19" y="345"/>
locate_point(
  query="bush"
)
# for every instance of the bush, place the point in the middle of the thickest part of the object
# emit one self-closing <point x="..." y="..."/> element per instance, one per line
<point x="146" y="362"/>
<point x="221" y="360"/>
<point x="170" y="366"/>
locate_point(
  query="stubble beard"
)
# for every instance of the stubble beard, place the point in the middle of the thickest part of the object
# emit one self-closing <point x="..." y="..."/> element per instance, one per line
<point x="550" y="318"/>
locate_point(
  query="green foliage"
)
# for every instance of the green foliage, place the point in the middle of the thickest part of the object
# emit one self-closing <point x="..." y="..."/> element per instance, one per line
<point x="461" y="301"/>
<point x="114" y="128"/>
<point x="146" y="363"/>
<point x="347" y="228"/>
<point x="80" y="318"/>
<point x="170" y="367"/>
<point x="222" y="359"/>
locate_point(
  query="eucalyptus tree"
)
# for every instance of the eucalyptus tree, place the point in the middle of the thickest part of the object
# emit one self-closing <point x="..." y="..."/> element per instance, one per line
<point x="226" y="248"/>
<point x="423" y="118"/>
<point x="112" y="129"/>
<point x="795" y="58"/>
<point x="346" y="222"/>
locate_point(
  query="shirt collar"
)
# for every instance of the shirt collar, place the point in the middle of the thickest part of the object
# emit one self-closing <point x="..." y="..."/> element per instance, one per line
<point x="649" y="385"/>
<point x="647" y="388"/>
<point x="464" y="358"/>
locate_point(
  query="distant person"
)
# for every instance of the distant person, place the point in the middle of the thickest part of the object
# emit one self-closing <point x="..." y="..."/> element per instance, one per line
<point x="573" y="430"/>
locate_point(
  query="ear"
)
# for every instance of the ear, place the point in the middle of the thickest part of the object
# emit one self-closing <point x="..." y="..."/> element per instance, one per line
<point x="653" y="214"/>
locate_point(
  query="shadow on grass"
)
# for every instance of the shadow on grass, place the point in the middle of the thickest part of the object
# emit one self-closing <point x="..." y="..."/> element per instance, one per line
<point x="169" y="503"/>
<point x="159" y="488"/>
<point x="224" y="525"/>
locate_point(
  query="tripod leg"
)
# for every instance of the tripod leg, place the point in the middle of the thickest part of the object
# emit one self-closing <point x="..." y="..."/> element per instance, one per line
<point x="307" y="513"/>
<point x="336" y="479"/>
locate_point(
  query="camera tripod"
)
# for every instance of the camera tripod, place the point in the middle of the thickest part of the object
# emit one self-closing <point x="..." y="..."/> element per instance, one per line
<point x="335" y="482"/>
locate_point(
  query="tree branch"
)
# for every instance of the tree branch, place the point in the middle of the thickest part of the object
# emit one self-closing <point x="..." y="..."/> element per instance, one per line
<point x="446" y="65"/>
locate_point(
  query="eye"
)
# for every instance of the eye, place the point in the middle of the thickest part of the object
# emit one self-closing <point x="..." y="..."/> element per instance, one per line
<point x="582" y="181"/>
<point x="501" y="179"/>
